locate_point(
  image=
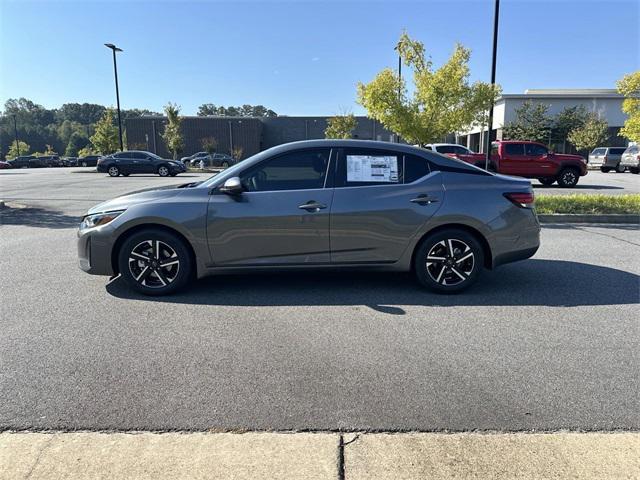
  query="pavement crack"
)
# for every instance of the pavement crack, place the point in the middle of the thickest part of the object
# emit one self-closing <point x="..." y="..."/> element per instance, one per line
<point x="341" y="445"/>
<point x="607" y="235"/>
<point x="39" y="456"/>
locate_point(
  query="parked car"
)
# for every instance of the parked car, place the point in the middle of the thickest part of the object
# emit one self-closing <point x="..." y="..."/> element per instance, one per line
<point x="318" y="204"/>
<point x="50" y="160"/>
<point x="531" y="160"/>
<point x="23" y="161"/>
<point x="70" y="161"/>
<point x="4" y="165"/>
<point x="214" y="160"/>
<point x="631" y="159"/>
<point x="188" y="159"/>
<point x="449" y="149"/>
<point x="89" y="160"/>
<point x="607" y="158"/>
<point x="137" y="161"/>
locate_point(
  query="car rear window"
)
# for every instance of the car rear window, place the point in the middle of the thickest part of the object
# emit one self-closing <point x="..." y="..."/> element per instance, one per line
<point x="598" y="151"/>
<point x="414" y="168"/>
<point x="616" y="151"/>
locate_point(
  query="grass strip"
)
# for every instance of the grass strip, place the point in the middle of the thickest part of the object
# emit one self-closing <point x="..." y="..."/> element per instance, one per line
<point x="595" y="204"/>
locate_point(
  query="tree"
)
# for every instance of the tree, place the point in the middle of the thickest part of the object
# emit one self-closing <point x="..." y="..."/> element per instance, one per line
<point x="237" y="152"/>
<point x="569" y="119"/>
<point x="593" y="133"/>
<point x="77" y="141"/>
<point x="341" y="126"/>
<point x="83" y="113"/>
<point x="629" y="86"/>
<point x="443" y="100"/>
<point x="105" y="139"/>
<point x="13" y="150"/>
<point x="209" y="145"/>
<point x="172" y="133"/>
<point x="531" y="123"/>
<point x="209" y="109"/>
<point x="86" y="151"/>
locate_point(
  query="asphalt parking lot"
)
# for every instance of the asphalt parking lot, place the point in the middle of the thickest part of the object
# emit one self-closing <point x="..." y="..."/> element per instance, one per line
<point x="546" y="344"/>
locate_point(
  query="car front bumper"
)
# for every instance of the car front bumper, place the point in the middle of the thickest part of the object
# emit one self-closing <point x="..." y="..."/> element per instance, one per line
<point x="94" y="251"/>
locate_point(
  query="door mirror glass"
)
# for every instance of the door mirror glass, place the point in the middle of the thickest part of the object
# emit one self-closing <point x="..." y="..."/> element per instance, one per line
<point x="232" y="186"/>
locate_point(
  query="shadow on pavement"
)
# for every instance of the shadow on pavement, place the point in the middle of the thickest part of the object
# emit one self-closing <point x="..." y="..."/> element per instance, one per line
<point x="37" y="217"/>
<point x="532" y="282"/>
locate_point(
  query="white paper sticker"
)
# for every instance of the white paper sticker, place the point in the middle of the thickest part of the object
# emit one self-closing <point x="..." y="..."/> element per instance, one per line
<point x="372" y="168"/>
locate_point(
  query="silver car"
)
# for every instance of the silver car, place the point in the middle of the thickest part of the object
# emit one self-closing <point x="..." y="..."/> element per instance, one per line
<point x="319" y="204"/>
<point x="631" y="159"/>
<point x="607" y="158"/>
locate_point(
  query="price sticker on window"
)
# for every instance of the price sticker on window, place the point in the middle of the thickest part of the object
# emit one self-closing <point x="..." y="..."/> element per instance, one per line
<point x="372" y="168"/>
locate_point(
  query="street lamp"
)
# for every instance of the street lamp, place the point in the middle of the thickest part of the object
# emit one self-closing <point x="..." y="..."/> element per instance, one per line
<point x="496" y="15"/>
<point x="115" y="49"/>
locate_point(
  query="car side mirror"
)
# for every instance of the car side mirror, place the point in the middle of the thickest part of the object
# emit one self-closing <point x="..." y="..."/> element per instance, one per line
<point x="232" y="186"/>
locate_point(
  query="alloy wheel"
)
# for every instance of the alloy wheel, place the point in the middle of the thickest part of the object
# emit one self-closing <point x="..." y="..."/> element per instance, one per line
<point x="163" y="171"/>
<point x="154" y="264"/>
<point x="113" y="171"/>
<point x="450" y="262"/>
<point x="569" y="177"/>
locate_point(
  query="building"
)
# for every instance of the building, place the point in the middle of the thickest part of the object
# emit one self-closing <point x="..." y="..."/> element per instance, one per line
<point x="606" y="102"/>
<point x="251" y="134"/>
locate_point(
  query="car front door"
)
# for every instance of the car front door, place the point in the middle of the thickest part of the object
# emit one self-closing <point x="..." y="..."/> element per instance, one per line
<point x="146" y="163"/>
<point x="281" y="217"/>
<point x="538" y="162"/>
<point x="381" y="200"/>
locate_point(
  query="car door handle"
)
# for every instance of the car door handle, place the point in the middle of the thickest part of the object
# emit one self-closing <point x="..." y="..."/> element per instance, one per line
<point x="423" y="200"/>
<point x="312" y="206"/>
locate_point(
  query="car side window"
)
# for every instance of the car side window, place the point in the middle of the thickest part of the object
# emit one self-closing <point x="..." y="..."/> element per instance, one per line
<point x="415" y="168"/>
<point x="535" y="150"/>
<point x="447" y="149"/>
<point x="514" y="149"/>
<point x="362" y="167"/>
<point x="300" y="170"/>
<point x="461" y="151"/>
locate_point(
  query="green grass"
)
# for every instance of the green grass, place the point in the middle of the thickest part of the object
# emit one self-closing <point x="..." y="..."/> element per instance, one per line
<point x="588" y="204"/>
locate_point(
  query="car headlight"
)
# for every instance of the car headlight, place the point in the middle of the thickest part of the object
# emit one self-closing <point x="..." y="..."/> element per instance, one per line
<point x="99" y="219"/>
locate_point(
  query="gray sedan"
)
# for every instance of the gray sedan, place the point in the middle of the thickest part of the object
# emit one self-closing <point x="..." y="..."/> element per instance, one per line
<point x="320" y="204"/>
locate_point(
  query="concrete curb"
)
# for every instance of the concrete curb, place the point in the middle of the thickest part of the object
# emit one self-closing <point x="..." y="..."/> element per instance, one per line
<point x="586" y="218"/>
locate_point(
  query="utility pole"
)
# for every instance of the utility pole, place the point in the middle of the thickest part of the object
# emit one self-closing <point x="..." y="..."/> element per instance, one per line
<point x="15" y="131"/>
<point x="496" y="15"/>
<point x="115" y="49"/>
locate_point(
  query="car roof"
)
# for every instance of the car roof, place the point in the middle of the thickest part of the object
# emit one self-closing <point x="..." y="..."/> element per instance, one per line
<point x="517" y="141"/>
<point x="445" y="145"/>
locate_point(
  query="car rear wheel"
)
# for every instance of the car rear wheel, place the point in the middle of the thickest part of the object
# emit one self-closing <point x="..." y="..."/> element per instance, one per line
<point x="547" y="181"/>
<point x="604" y="169"/>
<point x="448" y="261"/>
<point x="155" y="262"/>
<point x="634" y="170"/>
<point x="620" y="168"/>
<point x="568" y="178"/>
<point x="163" y="171"/>
<point x="113" y="171"/>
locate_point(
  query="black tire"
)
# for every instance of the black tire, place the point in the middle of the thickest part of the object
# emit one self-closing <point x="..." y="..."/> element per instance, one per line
<point x="620" y="168"/>
<point x="174" y="174"/>
<point x="547" y="182"/>
<point x="634" y="170"/>
<point x="446" y="275"/>
<point x="149" y="277"/>
<point x="568" y="177"/>
<point x="605" y="169"/>
<point x="163" y="171"/>
<point x="113" y="171"/>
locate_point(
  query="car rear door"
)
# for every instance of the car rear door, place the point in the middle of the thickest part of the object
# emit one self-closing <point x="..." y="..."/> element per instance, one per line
<point x="381" y="200"/>
<point x="281" y="218"/>
<point x="512" y="159"/>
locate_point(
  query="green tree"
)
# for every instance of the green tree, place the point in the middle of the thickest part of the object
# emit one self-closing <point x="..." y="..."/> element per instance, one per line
<point x="86" y="151"/>
<point x="531" y="123"/>
<point x="443" y="100"/>
<point x="209" y="145"/>
<point x="77" y="141"/>
<point x="209" y="109"/>
<point x="105" y="139"/>
<point x="592" y="134"/>
<point x="341" y="126"/>
<point x="629" y="86"/>
<point x="172" y="133"/>
<point x="13" y="149"/>
<point x="569" y="119"/>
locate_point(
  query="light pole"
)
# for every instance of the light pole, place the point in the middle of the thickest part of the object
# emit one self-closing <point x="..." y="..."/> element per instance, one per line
<point x="15" y="131"/>
<point x="115" y="49"/>
<point x="496" y="16"/>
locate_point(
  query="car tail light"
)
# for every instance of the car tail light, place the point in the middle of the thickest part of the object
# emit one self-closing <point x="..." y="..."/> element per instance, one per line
<point x="521" y="199"/>
<point x="606" y="159"/>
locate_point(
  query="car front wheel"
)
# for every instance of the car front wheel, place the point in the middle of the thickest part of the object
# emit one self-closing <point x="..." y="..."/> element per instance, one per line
<point x="113" y="171"/>
<point x="568" y="178"/>
<point x="449" y="261"/>
<point x="163" y="171"/>
<point x="547" y="182"/>
<point x="634" y="170"/>
<point x="604" y="169"/>
<point x="155" y="262"/>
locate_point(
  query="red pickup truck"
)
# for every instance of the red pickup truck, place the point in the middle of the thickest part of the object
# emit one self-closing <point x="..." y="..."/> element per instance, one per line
<point x="531" y="160"/>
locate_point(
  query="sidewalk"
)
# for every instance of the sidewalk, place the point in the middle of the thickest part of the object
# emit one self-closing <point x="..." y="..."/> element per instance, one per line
<point x="319" y="456"/>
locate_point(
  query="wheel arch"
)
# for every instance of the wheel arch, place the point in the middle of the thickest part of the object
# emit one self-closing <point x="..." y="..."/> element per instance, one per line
<point x="148" y="226"/>
<point x="486" y="248"/>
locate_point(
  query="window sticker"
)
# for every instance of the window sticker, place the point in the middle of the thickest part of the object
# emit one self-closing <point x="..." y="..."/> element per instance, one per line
<point x="372" y="168"/>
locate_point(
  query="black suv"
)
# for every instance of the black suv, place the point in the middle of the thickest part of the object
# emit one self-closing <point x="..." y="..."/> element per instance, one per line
<point x="136" y="161"/>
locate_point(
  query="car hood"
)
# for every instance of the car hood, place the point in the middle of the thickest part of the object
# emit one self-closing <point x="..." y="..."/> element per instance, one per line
<point x="138" y="197"/>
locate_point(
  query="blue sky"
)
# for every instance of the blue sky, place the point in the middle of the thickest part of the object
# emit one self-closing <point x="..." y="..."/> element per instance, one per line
<point x="298" y="58"/>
